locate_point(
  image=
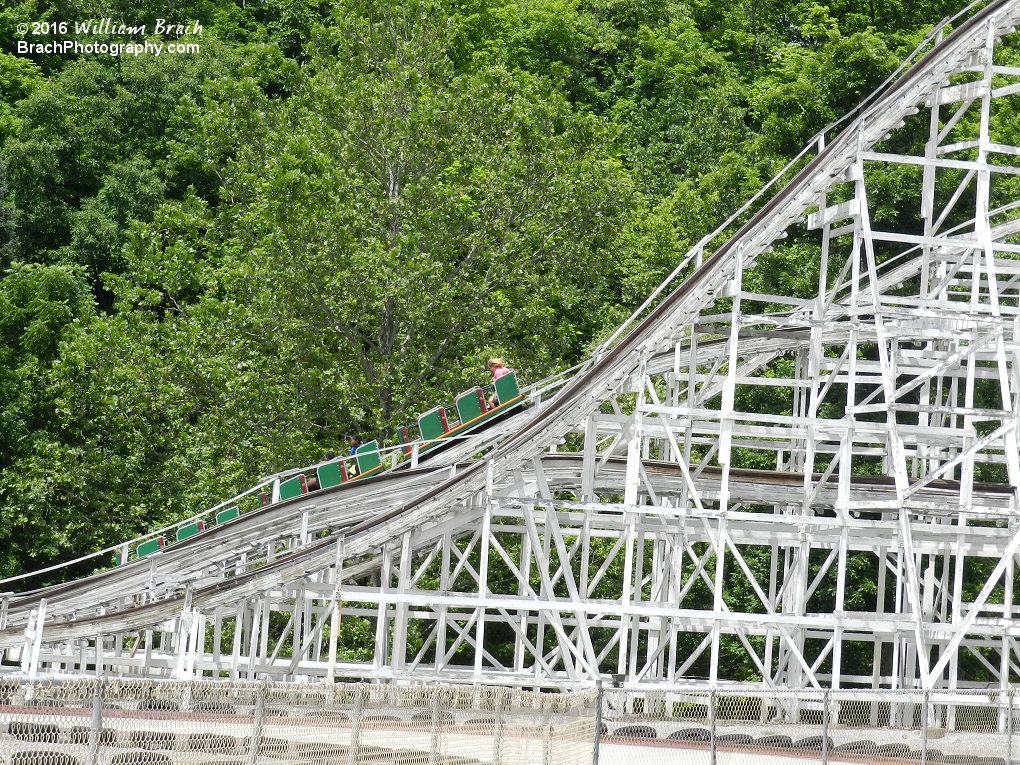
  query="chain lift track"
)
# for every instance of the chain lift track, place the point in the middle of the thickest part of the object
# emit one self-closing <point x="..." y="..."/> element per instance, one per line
<point x="693" y="499"/>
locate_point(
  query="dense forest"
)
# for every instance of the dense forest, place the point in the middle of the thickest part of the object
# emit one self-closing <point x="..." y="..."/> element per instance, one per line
<point x="215" y="265"/>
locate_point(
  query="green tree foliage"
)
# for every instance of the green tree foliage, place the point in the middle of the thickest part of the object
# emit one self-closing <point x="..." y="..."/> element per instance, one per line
<point x="18" y="78"/>
<point x="92" y="152"/>
<point x="816" y="79"/>
<point x="441" y="215"/>
<point x="40" y="305"/>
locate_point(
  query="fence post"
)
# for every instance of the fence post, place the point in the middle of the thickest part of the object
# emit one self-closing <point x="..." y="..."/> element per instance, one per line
<point x="598" y="720"/>
<point x="353" y="752"/>
<point x="256" y="731"/>
<point x="96" y="728"/>
<point x="924" y="726"/>
<point x="497" y="731"/>
<point x="825" y="726"/>
<point x="1009" y="726"/>
<point x="546" y="734"/>
<point x="4" y="601"/>
<point x="711" y="726"/>
<point x="434" y="738"/>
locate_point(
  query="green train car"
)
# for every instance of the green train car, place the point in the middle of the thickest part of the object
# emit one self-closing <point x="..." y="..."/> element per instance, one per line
<point x="436" y="428"/>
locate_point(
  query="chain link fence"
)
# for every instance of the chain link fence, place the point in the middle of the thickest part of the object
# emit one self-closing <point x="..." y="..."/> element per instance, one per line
<point x="107" y="721"/>
<point x="769" y="727"/>
<point x="142" y="722"/>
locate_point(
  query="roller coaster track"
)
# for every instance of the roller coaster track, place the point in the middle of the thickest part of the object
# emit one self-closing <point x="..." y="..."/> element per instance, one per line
<point x="728" y="461"/>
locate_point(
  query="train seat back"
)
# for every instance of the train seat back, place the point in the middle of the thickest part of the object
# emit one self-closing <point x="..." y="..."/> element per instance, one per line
<point x="229" y="514"/>
<point x="405" y="439"/>
<point x="150" y="547"/>
<point x="470" y="405"/>
<point x="433" y="424"/>
<point x="293" y="487"/>
<point x="367" y="457"/>
<point x="186" y="532"/>
<point x="506" y="388"/>
<point x="331" y="474"/>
